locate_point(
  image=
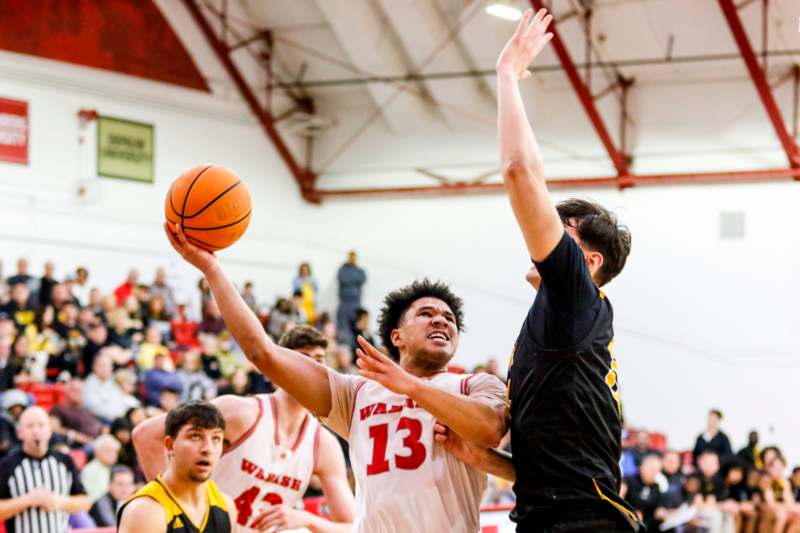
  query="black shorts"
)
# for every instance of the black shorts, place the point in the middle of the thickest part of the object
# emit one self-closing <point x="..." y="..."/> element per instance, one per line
<point x="589" y="525"/>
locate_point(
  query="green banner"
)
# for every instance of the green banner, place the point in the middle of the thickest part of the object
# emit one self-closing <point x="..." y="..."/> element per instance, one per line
<point x="124" y="149"/>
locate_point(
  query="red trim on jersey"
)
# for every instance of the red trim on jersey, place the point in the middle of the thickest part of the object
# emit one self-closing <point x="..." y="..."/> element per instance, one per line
<point x="465" y="384"/>
<point x="274" y="406"/>
<point x="317" y="435"/>
<point x="300" y="433"/>
<point x="249" y="431"/>
<point x="355" y="397"/>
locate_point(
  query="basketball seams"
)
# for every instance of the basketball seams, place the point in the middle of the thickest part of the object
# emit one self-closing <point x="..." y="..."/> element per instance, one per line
<point x="243" y="219"/>
<point x="209" y="204"/>
<point x="188" y="191"/>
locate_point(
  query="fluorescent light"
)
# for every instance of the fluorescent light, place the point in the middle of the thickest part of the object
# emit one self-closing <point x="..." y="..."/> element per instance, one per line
<point x="504" y="11"/>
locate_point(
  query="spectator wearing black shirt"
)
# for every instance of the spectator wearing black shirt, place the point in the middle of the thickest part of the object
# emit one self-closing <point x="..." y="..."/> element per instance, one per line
<point x="19" y="308"/>
<point x="9" y="367"/>
<point x="737" y="497"/>
<point x="361" y="327"/>
<point x="751" y="454"/>
<point x="22" y="276"/>
<point x="39" y="487"/>
<point x="644" y="492"/>
<point x="351" y="278"/>
<point x="671" y="468"/>
<point x="46" y="283"/>
<point x="712" y="492"/>
<point x="795" y="479"/>
<point x="713" y="439"/>
<point x="120" y="488"/>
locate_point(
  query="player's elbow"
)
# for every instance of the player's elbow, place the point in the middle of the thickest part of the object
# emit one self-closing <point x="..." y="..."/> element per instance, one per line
<point x="520" y="171"/>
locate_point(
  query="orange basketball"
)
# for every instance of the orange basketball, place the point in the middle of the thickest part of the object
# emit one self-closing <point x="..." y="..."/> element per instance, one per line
<point x="212" y="205"/>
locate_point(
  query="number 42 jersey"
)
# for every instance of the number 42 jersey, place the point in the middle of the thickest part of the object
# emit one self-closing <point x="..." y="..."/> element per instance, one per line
<point x="405" y="481"/>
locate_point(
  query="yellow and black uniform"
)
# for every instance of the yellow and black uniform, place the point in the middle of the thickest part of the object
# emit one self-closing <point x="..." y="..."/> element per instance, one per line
<point x="566" y="425"/>
<point x="215" y="520"/>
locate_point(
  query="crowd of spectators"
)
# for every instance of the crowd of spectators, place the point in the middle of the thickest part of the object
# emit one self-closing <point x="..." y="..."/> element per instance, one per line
<point x="712" y="488"/>
<point x="109" y="361"/>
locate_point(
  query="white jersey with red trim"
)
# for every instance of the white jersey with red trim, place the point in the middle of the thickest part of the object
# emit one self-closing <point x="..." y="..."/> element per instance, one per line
<point x="258" y="471"/>
<point x="405" y="482"/>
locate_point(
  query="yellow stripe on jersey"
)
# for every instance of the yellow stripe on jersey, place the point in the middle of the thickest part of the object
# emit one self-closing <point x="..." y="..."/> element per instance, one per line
<point x="619" y="507"/>
<point x="177" y="520"/>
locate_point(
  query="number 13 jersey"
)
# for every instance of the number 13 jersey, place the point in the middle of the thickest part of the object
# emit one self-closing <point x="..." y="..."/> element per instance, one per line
<point x="404" y="480"/>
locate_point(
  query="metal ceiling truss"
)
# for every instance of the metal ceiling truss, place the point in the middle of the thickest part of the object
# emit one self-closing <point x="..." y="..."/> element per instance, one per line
<point x="306" y="178"/>
<point x="302" y="172"/>
<point x="618" y="156"/>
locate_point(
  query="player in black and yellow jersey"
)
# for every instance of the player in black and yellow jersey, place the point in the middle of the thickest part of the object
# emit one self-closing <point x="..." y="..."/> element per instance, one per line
<point x="565" y="415"/>
<point x="184" y="499"/>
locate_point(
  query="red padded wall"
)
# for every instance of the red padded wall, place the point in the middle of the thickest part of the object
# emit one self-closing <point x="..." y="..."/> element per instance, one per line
<point x="126" y="36"/>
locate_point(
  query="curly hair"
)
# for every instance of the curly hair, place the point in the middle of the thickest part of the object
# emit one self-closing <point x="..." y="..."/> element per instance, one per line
<point x="397" y="302"/>
<point x="599" y="230"/>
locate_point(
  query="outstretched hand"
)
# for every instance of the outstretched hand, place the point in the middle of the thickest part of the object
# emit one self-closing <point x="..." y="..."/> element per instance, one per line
<point x="202" y="259"/>
<point x="528" y="40"/>
<point x="378" y="367"/>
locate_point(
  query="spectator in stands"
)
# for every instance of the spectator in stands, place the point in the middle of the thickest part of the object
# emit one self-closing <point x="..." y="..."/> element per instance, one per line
<point x="644" y="492"/>
<point x="751" y="454"/>
<point x="72" y="420"/>
<point x="713" y="439"/>
<point x="159" y="378"/>
<point x="126" y="379"/>
<point x="27" y="498"/>
<point x="239" y="383"/>
<point x="248" y="295"/>
<point x="205" y="295"/>
<point x="46" y="283"/>
<point x="769" y="453"/>
<point x="361" y="327"/>
<point x="737" y="497"/>
<point x="212" y="321"/>
<point x="343" y="362"/>
<point x="101" y="394"/>
<point x="307" y="286"/>
<point x="672" y="497"/>
<point x="279" y="317"/>
<point x="161" y="288"/>
<point x="157" y="316"/>
<point x="493" y="368"/>
<point x="60" y="296"/>
<point x="209" y="348"/>
<point x="14" y="403"/>
<point x="642" y="448"/>
<point x="152" y="347"/>
<point x="780" y="509"/>
<point x="97" y="472"/>
<point x="299" y="315"/>
<point x="122" y="429"/>
<point x="80" y="288"/>
<point x="351" y="278"/>
<point x="122" y="292"/>
<point x="169" y="398"/>
<point x="120" y="331"/>
<point x="133" y="307"/>
<point x="65" y="364"/>
<point x="795" y="481"/>
<point x="22" y="276"/>
<point x="96" y="340"/>
<point x="19" y="308"/>
<point x="9" y="368"/>
<point x="196" y="384"/>
<point x="120" y="488"/>
<point x="712" y="492"/>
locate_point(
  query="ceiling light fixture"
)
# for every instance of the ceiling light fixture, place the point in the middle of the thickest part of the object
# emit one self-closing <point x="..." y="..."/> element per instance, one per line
<point x="504" y="11"/>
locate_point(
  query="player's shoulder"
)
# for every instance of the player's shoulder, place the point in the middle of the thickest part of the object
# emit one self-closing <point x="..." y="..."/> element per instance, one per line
<point x="147" y="510"/>
<point x="471" y="383"/>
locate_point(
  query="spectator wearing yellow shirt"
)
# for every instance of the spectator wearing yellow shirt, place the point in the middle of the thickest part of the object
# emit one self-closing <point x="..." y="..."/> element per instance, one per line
<point x="150" y="348"/>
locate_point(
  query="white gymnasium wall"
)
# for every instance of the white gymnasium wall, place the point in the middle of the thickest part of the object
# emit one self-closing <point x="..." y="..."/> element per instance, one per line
<point x="701" y="321"/>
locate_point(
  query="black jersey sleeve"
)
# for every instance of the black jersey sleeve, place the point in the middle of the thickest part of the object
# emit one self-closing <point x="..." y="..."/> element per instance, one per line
<point x="568" y="300"/>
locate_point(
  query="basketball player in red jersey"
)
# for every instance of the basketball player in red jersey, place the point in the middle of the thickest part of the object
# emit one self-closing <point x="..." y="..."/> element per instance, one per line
<point x="404" y="481"/>
<point x="273" y="447"/>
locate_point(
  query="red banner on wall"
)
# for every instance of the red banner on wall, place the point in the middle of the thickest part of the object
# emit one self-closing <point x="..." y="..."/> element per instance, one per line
<point x="13" y="131"/>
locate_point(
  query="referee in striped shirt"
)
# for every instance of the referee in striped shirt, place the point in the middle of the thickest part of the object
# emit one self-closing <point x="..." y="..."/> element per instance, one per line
<point x="39" y="488"/>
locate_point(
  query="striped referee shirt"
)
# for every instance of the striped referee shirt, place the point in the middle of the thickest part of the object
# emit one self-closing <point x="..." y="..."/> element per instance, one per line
<point x="21" y="474"/>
